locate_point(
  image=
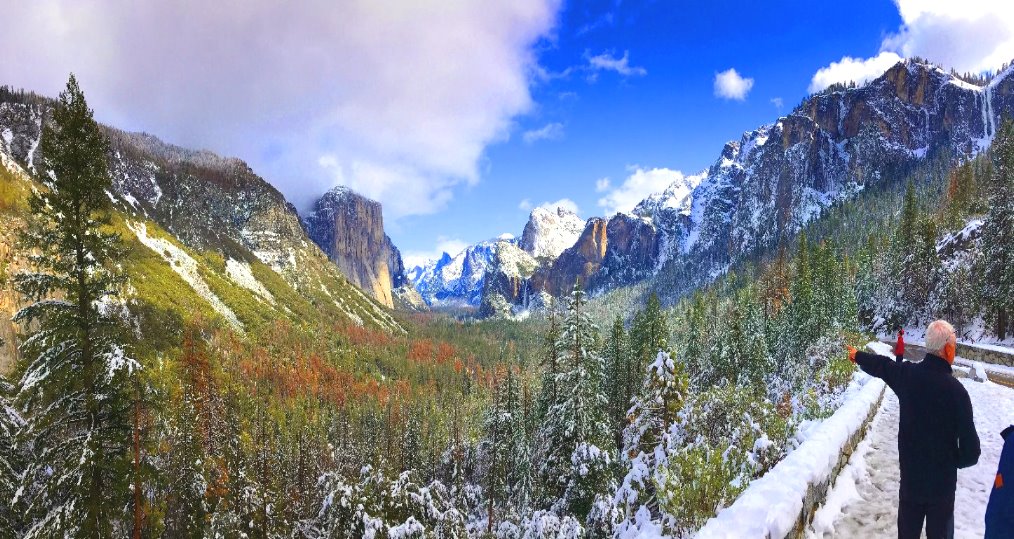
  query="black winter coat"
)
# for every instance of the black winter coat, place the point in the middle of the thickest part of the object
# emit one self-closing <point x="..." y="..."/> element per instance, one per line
<point x="936" y="435"/>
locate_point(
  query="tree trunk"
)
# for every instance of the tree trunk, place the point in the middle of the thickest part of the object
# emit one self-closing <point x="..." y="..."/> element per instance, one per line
<point x="138" y="510"/>
<point x="1001" y="323"/>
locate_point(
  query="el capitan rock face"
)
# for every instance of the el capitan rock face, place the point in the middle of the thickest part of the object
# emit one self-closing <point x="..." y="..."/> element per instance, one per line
<point x="349" y="228"/>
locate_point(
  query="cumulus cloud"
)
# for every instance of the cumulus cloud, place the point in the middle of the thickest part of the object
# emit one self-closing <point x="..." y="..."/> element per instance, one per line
<point x="969" y="36"/>
<point x="850" y="69"/>
<point x="778" y="102"/>
<point x="451" y="246"/>
<point x="390" y="97"/>
<point x="563" y="203"/>
<point x="551" y="131"/>
<point x="640" y="184"/>
<point x="731" y="85"/>
<point x="525" y="204"/>
<point x="602" y="185"/>
<point x="607" y="62"/>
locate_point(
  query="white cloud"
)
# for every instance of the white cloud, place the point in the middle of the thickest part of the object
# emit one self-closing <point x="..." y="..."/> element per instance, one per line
<point x="407" y="94"/>
<point x="551" y="131"/>
<point x="731" y="85"/>
<point x="639" y="185"/>
<point x="525" y="205"/>
<point x="602" y="185"/>
<point x="850" y="69"/>
<point x="607" y="62"/>
<point x="777" y="102"/>
<point x="969" y="36"/>
<point x="564" y="203"/>
<point x="451" y="246"/>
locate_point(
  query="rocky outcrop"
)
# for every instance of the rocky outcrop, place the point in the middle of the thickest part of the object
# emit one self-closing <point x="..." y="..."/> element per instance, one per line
<point x="549" y="232"/>
<point x="494" y="267"/>
<point x="609" y="253"/>
<point x="349" y="228"/>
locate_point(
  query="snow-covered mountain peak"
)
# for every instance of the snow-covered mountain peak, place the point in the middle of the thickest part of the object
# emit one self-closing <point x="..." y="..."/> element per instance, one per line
<point x="678" y="196"/>
<point x="551" y="230"/>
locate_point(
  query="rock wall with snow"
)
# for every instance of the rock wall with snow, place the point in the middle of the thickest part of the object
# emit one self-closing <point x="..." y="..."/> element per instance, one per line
<point x="549" y="232"/>
<point x="760" y="191"/>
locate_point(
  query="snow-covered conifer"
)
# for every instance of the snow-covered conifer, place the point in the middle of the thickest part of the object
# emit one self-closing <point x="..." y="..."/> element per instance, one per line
<point x="74" y="388"/>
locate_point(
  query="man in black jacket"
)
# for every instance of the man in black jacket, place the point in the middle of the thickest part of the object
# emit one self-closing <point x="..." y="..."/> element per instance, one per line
<point x="936" y="435"/>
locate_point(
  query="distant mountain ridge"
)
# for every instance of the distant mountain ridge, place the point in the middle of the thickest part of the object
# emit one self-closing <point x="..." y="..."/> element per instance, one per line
<point x="495" y="275"/>
<point x="772" y="181"/>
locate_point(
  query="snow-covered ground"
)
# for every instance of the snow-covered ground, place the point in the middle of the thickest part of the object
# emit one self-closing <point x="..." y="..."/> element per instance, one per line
<point x="864" y="499"/>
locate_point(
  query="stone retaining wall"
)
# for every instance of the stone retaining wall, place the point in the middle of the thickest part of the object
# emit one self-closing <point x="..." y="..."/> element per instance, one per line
<point x="817" y="493"/>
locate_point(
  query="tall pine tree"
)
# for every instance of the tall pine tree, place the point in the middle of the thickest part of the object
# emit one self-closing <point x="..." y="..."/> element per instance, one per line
<point x="646" y="445"/>
<point x="620" y="378"/>
<point x="998" y="233"/>
<point x="505" y="447"/>
<point x="650" y="333"/>
<point x="74" y="390"/>
<point x="10" y="464"/>
<point x="575" y="438"/>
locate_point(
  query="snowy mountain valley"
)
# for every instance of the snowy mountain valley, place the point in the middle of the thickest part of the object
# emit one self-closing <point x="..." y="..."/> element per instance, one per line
<point x="185" y="354"/>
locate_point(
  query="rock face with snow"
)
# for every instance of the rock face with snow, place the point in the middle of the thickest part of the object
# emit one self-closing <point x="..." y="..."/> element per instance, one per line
<point x="609" y="253"/>
<point x="349" y="228"/>
<point x="494" y="275"/>
<point x="497" y="266"/>
<point x="765" y="186"/>
<point x="550" y="231"/>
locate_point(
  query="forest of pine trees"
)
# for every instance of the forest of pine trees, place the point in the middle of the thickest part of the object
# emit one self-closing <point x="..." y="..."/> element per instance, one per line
<point x="549" y="429"/>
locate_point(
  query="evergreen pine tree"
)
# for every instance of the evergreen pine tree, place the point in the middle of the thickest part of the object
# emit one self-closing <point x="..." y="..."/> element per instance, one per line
<point x="550" y="365"/>
<point x="505" y="446"/>
<point x="802" y="328"/>
<point x="75" y="388"/>
<point x="183" y="485"/>
<point x="619" y="379"/>
<point x="645" y="446"/>
<point x="650" y="333"/>
<point x="998" y="233"/>
<point x="575" y="437"/>
<point x="10" y="464"/>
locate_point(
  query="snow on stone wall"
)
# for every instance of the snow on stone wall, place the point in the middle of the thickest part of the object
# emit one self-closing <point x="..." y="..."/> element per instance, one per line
<point x="781" y="503"/>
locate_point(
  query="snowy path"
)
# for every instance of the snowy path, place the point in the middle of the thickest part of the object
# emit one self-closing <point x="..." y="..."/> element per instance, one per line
<point x="864" y="499"/>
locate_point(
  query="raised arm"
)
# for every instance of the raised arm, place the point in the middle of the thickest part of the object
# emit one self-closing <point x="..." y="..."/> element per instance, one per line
<point x="882" y="367"/>
<point x="968" y="439"/>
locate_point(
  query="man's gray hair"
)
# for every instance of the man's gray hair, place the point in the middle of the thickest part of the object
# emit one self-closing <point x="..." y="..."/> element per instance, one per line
<point x="937" y="335"/>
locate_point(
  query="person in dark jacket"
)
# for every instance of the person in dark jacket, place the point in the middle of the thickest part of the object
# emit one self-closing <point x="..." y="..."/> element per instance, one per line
<point x="1000" y="511"/>
<point x="936" y="434"/>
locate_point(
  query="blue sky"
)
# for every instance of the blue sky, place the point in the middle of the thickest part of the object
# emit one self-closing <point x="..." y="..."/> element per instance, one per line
<point x="459" y="116"/>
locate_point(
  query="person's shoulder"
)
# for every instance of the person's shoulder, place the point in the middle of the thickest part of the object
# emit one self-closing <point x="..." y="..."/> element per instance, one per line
<point x="957" y="387"/>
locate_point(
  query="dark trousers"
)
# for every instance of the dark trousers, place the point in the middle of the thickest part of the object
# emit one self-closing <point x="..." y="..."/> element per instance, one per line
<point x="939" y="517"/>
